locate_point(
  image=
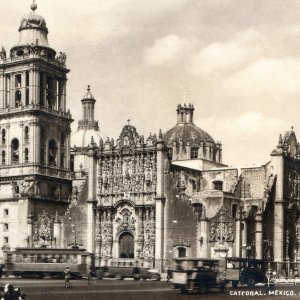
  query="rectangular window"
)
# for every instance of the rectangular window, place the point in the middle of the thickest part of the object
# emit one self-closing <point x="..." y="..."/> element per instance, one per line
<point x="194" y="152"/>
<point x="5" y="227"/>
<point x="6" y="212"/>
<point x="218" y="185"/>
<point x="5" y="240"/>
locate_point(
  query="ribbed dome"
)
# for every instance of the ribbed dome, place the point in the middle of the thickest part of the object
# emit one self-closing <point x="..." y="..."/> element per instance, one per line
<point x="185" y="129"/>
<point x="187" y="132"/>
<point x="82" y="137"/>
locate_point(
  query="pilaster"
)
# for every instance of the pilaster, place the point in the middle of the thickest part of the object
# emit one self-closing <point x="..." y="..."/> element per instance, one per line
<point x="258" y="235"/>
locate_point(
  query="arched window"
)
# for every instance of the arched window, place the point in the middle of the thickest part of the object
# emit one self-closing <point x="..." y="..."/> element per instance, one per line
<point x="3" y="158"/>
<point x="18" y="98"/>
<point x="72" y="162"/>
<point x="52" y="152"/>
<point x="26" y="153"/>
<point x="15" y="150"/>
<point x="62" y="139"/>
<point x="26" y="132"/>
<point x="62" y="160"/>
<point x="3" y="136"/>
<point x="181" y="252"/>
<point x="42" y="149"/>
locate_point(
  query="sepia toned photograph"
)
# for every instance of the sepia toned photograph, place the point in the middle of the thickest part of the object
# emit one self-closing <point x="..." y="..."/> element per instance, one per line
<point x="148" y="149"/>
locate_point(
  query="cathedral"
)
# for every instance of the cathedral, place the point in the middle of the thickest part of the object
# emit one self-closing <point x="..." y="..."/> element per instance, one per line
<point x="130" y="198"/>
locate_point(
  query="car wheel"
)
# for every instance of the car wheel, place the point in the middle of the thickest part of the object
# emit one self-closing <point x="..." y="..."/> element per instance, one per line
<point x="251" y="282"/>
<point x="234" y="283"/>
<point x="118" y="277"/>
<point x="183" y="290"/>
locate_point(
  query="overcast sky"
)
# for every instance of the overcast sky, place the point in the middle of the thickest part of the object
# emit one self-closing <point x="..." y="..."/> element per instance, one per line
<point x="237" y="61"/>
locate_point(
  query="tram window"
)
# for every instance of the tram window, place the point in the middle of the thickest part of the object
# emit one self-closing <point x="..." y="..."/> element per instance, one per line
<point x="9" y="258"/>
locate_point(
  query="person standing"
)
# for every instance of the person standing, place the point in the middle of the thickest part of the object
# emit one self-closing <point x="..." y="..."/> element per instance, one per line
<point x="169" y="273"/>
<point x="67" y="277"/>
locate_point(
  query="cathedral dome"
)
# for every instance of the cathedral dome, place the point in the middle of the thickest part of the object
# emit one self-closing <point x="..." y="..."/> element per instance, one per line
<point x="185" y="130"/>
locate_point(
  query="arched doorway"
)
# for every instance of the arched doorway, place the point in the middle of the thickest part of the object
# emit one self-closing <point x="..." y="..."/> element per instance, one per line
<point x="126" y="245"/>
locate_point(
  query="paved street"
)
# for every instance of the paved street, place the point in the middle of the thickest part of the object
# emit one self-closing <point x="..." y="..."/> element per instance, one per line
<point x="128" y="289"/>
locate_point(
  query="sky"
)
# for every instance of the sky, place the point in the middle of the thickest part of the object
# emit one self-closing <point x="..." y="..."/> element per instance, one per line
<point x="237" y="61"/>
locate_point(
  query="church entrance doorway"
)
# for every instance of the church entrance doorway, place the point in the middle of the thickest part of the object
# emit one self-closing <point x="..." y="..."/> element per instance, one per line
<point x="126" y="245"/>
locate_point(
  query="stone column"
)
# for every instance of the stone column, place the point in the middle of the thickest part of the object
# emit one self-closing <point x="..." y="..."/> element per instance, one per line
<point x="258" y="235"/>
<point x="8" y="148"/>
<point x="62" y="235"/>
<point x="90" y="203"/>
<point x="67" y="149"/>
<point x="244" y="239"/>
<point x="43" y="87"/>
<point x="238" y="243"/>
<point x="2" y="91"/>
<point x="200" y="151"/>
<point x="159" y="207"/>
<point x="277" y="161"/>
<point x="35" y="87"/>
<point x="64" y="85"/>
<point x="23" y="88"/>
<point x="203" y="240"/>
<point x="29" y="229"/>
<point x="21" y="145"/>
<point x="12" y="90"/>
<point x="57" y="231"/>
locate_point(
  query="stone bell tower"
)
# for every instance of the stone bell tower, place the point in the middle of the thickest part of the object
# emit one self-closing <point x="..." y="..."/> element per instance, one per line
<point x="34" y="132"/>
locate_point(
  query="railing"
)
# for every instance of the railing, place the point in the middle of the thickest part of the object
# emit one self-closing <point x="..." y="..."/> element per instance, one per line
<point x="32" y="56"/>
<point x="35" y="107"/>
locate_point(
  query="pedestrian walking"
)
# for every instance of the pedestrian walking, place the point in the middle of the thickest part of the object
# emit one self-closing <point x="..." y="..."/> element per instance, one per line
<point x="169" y="273"/>
<point x="67" y="276"/>
<point x="89" y="275"/>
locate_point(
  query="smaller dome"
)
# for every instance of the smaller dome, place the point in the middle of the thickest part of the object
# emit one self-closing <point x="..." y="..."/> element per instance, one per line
<point x="82" y="137"/>
<point x="88" y="95"/>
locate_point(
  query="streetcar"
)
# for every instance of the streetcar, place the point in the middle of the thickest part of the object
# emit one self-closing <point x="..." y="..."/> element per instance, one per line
<point x="47" y="262"/>
<point x="197" y="275"/>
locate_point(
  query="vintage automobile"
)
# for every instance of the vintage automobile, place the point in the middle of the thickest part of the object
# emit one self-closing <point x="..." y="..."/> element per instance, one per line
<point x="120" y="273"/>
<point x="197" y="275"/>
<point x="244" y="271"/>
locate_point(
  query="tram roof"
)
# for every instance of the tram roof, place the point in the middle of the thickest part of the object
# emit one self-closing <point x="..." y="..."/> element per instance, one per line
<point x="244" y="259"/>
<point x="196" y="259"/>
